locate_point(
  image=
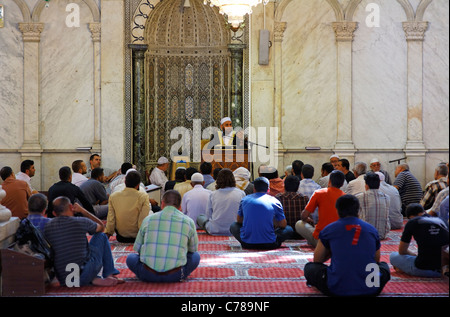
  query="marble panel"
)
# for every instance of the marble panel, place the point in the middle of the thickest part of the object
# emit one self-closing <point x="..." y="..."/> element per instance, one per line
<point x="52" y="162"/>
<point x="436" y="76"/>
<point x="112" y="84"/>
<point x="309" y="75"/>
<point x="380" y="79"/>
<point x="11" y="79"/>
<point x="67" y="80"/>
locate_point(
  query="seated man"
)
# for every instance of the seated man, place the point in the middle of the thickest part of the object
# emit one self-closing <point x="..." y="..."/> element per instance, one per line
<point x="27" y="171"/>
<point x="17" y="193"/>
<point x="185" y="186"/>
<point x="431" y="234"/>
<point x="79" y="169"/>
<point x="433" y="188"/>
<point x="194" y="201"/>
<point x="67" y="236"/>
<point x="95" y="192"/>
<point x="325" y="200"/>
<point x="358" y="185"/>
<point x="395" y="203"/>
<point x="127" y="209"/>
<point x="158" y="175"/>
<point x="374" y="205"/>
<point x="354" y="249"/>
<point x="65" y="188"/>
<point x="293" y="203"/>
<point x="37" y="205"/>
<point x="166" y="244"/>
<point x="261" y="223"/>
<point x="408" y="186"/>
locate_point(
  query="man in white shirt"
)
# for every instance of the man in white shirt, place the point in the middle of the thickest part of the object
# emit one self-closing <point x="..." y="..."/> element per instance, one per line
<point x="194" y="201"/>
<point x="357" y="185"/>
<point x="27" y="171"/>
<point x="395" y="206"/>
<point x="79" y="168"/>
<point x="158" y="176"/>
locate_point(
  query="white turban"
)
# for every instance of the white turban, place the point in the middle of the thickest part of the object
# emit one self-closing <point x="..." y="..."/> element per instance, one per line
<point x="225" y="120"/>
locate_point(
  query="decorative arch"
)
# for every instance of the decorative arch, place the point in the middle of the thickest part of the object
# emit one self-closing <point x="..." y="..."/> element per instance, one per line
<point x="139" y="20"/>
<point x="24" y="9"/>
<point x="421" y="8"/>
<point x="40" y="5"/>
<point x="409" y="10"/>
<point x="342" y="14"/>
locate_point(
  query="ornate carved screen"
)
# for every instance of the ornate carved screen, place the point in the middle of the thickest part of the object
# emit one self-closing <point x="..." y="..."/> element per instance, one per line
<point x="187" y="63"/>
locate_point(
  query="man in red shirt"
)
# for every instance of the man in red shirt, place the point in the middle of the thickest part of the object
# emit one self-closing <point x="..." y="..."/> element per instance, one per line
<point x="325" y="200"/>
<point x="17" y="193"/>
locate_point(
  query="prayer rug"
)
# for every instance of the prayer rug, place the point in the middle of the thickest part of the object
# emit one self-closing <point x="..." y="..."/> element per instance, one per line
<point x="227" y="270"/>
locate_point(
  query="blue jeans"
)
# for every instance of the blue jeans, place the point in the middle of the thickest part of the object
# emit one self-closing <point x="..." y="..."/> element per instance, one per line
<point x="100" y="256"/>
<point x="142" y="273"/>
<point x="406" y="264"/>
<point x="281" y="234"/>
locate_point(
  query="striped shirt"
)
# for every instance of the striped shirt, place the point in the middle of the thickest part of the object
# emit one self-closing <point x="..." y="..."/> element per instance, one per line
<point x="374" y="209"/>
<point x="409" y="188"/>
<point x="165" y="238"/>
<point x="67" y="236"/>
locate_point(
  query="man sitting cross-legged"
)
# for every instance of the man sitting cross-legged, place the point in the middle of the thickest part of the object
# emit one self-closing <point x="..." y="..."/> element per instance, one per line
<point x="67" y="237"/>
<point x="354" y="248"/>
<point x="261" y="223"/>
<point x="166" y="244"/>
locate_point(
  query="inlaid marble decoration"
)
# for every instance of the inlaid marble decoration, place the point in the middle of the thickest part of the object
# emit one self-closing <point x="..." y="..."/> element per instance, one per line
<point x="309" y="75"/>
<point x="11" y="81"/>
<point x="380" y="78"/>
<point x="66" y="59"/>
<point x="436" y="76"/>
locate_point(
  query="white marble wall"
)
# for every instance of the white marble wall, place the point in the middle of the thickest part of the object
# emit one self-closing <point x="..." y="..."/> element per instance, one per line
<point x="436" y="76"/>
<point x="379" y="79"/>
<point x="309" y="75"/>
<point x="11" y="79"/>
<point x="66" y="94"/>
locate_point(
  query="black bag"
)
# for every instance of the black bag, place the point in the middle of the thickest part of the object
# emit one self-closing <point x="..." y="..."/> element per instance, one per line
<point x="27" y="233"/>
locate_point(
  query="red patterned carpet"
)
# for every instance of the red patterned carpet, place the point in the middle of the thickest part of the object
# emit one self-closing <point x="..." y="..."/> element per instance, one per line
<point x="228" y="270"/>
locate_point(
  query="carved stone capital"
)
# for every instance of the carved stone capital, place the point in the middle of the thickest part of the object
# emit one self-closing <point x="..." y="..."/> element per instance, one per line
<point x="279" y="29"/>
<point x="344" y="30"/>
<point x="95" y="28"/>
<point x="415" y="31"/>
<point x="31" y="32"/>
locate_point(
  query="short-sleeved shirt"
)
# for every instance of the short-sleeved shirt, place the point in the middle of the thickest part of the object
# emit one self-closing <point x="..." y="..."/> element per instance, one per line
<point x="353" y="244"/>
<point x="67" y="237"/>
<point x="409" y="188"/>
<point x="325" y="200"/>
<point x="94" y="191"/>
<point x="165" y="238"/>
<point x="431" y="234"/>
<point x="259" y="210"/>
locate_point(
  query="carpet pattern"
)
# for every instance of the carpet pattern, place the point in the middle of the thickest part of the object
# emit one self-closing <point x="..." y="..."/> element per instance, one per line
<point x="228" y="270"/>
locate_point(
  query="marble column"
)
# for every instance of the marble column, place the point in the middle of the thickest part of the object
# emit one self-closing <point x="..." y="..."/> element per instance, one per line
<point x="278" y="36"/>
<point x="95" y="28"/>
<point x="344" y="38"/>
<point x="415" y="148"/>
<point x="31" y="147"/>
<point x="138" y="150"/>
<point x="236" y="110"/>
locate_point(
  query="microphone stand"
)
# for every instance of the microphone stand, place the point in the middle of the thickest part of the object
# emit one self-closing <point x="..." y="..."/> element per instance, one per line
<point x="250" y="144"/>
